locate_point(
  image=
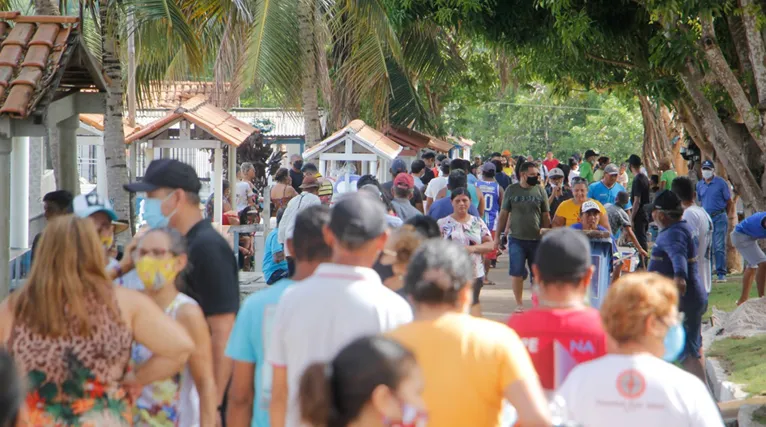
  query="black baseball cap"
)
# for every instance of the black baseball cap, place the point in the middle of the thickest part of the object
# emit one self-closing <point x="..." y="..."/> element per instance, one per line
<point x="358" y="218"/>
<point x="167" y="173"/>
<point x="563" y="254"/>
<point x="668" y="201"/>
<point x="590" y="153"/>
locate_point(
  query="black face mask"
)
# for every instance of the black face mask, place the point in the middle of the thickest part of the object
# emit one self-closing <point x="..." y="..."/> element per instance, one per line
<point x="298" y="165"/>
<point x="533" y="180"/>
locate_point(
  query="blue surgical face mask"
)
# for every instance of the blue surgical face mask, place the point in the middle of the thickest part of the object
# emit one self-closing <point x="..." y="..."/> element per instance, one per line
<point x="153" y="213"/>
<point x="674" y="342"/>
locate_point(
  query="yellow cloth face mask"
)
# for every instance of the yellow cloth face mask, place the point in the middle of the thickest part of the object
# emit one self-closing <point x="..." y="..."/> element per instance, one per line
<point x="156" y="272"/>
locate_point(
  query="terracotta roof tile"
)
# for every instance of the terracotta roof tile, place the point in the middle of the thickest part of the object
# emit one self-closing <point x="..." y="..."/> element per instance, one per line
<point x="199" y="111"/>
<point x="170" y="94"/>
<point x="373" y="139"/>
<point x="97" y="121"/>
<point x="31" y="55"/>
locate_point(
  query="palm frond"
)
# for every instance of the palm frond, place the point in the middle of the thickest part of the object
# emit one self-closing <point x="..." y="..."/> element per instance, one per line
<point x="404" y="105"/>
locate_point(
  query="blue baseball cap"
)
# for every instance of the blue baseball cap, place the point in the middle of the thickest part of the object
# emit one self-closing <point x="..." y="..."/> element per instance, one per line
<point x="707" y="164"/>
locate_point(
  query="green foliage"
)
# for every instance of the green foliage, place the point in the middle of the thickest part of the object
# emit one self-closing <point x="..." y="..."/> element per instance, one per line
<point x="532" y="121"/>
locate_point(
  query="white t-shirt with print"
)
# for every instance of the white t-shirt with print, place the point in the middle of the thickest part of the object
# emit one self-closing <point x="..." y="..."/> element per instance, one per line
<point x="243" y="191"/>
<point x="435" y="186"/>
<point x="637" y="391"/>
<point x="319" y="316"/>
<point x="702" y="227"/>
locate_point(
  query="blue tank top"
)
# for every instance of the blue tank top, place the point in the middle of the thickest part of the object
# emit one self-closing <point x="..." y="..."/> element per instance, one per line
<point x="472" y="192"/>
<point x="491" y="192"/>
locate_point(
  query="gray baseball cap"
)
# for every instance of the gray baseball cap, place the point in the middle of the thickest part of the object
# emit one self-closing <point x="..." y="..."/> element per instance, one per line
<point x="358" y="217"/>
<point x="563" y="254"/>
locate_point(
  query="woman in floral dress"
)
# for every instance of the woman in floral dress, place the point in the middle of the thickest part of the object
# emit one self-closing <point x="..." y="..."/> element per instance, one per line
<point x="187" y="399"/>
<point x="471" y="232"/>
<point x="70" y="331"/>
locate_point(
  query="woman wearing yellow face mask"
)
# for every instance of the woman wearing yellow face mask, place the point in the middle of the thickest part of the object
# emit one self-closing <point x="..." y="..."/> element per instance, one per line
<point x="188" y="398"/>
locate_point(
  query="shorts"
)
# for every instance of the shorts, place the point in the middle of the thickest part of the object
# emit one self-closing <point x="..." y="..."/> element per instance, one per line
<point x="693" y="327"/>
<point x="491" y="255"/>
<point x="477" y="285"/>
<point x="748" y="247"/>
<point x="521" y="255"/>
<point x="277" y="275"/>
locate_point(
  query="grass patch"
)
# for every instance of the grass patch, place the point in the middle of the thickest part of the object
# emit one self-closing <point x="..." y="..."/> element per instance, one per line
<point x="724" y="296"/>
<point x="744" y="361"/>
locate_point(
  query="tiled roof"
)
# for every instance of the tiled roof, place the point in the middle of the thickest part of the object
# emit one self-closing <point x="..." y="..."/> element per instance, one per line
<point x="417" y="140"/>
<point x="169" y="94"/>
<point x="40" y="55"/>
<point x="199" y="111"/>
<point x="97" y="121"/>
<point x="461" y="142"/>
<point x="370" y="137"/>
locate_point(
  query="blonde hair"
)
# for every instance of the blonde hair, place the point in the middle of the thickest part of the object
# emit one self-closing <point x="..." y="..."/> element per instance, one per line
<point x="665" y="164"/>
<point x="406" y="240"/>
<point x="632" y="299"/>
<point x="68" y="279"/>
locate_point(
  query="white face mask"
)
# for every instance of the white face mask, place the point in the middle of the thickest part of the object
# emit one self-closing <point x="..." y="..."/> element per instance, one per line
<point x="707" y="174"/>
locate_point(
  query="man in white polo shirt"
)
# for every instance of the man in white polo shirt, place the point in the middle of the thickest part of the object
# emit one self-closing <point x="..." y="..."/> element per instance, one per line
<point x="343" y="300"/>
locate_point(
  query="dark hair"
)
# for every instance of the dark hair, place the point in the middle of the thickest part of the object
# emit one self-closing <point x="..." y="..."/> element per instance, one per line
<point x="333" y="394"/>
<point x="425" y="225"/>
<point x="309" y="167"/>
<point x="572" y="162"/>
<point x="462" y="191"/>
<point x="456" y="164"/>
<point x="622" y="198"/>
<point x="62" y="199"/>
<point x="225" y="184"/>
<point x="655" y="179"/>
<point x="441" y="157"/>
<point x="683" y="188"/>
<point x="498" y="166"/>
<point x="526" y="165"/>
<point x="280" y="212"/>
<point x="12" y="392"/>
<point x="308" y="240"/>
<point x="495" y="154"/>
<point x="281" y="174"/>
<point x="417" y="166"/>
<point x="444" y="167"/>
<point x="428" y="155"/>
<point x="437" y="272"/>
<point x="402" y="193"/>
<point x="457" y="179"/>
<point x="367" y="179"/>
<point x="467" y="165"/>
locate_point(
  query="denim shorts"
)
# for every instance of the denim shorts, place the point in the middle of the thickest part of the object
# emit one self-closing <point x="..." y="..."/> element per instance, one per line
<point x="521" y="254"/>
<point x="693" y="327"/>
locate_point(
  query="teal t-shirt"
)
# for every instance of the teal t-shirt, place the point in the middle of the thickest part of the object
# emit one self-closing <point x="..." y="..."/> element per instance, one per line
<point x="248" y="341"/>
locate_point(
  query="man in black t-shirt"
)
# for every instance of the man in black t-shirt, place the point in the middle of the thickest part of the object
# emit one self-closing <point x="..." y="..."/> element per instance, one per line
<point x="430" y="160"/>
<point x="639" y="194"/>
<point x="55" y="203"/>
<point x="296" y="174"/>
<point x="211" y="278"/>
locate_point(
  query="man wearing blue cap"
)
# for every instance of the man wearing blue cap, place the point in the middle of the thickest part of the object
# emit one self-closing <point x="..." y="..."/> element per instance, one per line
<point x="713" y="192"/>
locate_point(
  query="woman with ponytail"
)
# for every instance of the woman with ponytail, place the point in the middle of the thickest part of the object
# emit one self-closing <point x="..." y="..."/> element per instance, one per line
<point x="372" y="382"/>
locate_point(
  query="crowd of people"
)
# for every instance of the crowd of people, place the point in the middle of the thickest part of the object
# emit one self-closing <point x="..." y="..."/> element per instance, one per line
<point x="372" y="313"/>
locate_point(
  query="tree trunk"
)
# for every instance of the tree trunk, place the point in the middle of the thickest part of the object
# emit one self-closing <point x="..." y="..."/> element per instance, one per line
<point x="656" y="145"/>
<point x="46" y="7"/>
<point x="114" y="137"/>
<point x="725" y="76"/>
<point x="756" y="51"/>
<point x="306" y="23"/>
<point x="50" y="7"/>
<point x="729" y="152"/>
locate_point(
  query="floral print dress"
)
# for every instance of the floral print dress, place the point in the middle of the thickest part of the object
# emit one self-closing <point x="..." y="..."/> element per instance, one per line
<point x="173" y="402"/>
<point x="467" y="233"/>
<point x="75" y="380"/>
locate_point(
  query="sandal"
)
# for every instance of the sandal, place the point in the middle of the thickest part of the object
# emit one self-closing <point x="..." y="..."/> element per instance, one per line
<point x="519" y="309"/>
<point x="489" y="283"/>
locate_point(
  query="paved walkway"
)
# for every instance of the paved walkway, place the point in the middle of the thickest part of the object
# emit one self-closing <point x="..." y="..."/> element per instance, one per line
<point x="497" y="301"/>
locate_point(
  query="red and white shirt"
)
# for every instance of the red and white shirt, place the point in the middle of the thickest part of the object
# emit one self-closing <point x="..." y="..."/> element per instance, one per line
<point x="559" y="339"/>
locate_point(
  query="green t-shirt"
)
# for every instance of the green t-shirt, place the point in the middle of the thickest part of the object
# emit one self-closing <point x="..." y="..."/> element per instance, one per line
<point x="586" y="171"/>
<point x="527" y="206"/>
<point x="598" y="175"/>
<point x="668" y="176"/>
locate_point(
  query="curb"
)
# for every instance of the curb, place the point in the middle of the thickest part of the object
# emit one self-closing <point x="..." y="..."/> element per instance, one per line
<point x="723" y="389"/>
<point x="745" y="416"/>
